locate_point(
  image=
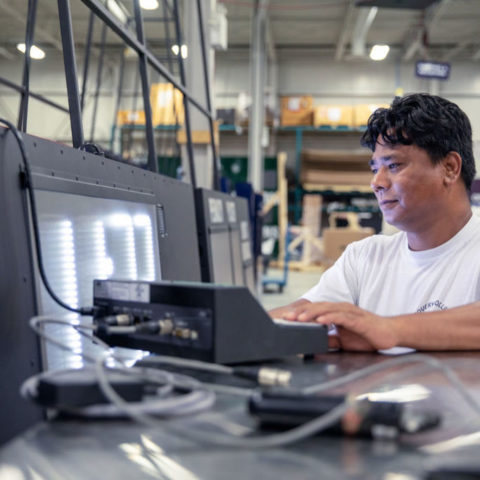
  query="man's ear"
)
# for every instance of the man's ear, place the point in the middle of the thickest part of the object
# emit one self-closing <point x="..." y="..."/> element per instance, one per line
<point x="452" y="164"/>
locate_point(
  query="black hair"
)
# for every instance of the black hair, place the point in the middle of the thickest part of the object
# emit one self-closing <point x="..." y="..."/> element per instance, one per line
<point x="429" y="122"/>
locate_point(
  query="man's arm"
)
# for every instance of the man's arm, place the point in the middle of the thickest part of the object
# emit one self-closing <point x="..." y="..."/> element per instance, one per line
<point x="453" y="329"/>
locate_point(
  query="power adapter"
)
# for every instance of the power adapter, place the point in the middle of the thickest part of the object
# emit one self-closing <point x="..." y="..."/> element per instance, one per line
<point x="76" y="388"/>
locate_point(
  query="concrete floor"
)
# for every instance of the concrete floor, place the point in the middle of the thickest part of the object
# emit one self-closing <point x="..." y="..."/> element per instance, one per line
<point x="297" y="284"/>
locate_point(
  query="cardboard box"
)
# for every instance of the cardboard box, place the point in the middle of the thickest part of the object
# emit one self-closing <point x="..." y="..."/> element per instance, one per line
<point x="167" y="104"/>
<point x="336" y="167"/>
<point x="131" y="117"/>
<point x="361" y="113"/>
<point x="335" y="240"/>
<point x="333" y="116"/>
<point x="296" y="111"/>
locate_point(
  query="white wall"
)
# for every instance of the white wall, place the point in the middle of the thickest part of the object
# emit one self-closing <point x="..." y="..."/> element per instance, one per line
<point x="48" y="79"/>
<point x="298" y="73"/>
<point x="354" y="82"/>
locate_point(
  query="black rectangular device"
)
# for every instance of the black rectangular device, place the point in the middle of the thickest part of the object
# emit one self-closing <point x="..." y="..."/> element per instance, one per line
<point x="214" y="323"/>
<point x="98" y="218"/>
<point x="224" y="238"/>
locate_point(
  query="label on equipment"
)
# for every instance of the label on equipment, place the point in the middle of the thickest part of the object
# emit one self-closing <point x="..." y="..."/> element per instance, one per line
<point x="231" y="212"/>
<point x="215" y="209"/>
<point x="123" y="291"/>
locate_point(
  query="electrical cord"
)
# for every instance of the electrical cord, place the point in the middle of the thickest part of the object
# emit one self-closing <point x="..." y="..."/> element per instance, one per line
<point x="266" y="376"/>
<point x="194" y="398"/>
<point x="226" y="438"/>
<point x="27" y="179"/>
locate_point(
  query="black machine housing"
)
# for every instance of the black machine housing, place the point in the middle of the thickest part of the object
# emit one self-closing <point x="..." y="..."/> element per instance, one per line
<point x="214" y="323"/>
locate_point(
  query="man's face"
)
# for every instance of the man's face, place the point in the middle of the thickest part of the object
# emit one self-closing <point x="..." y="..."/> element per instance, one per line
<point x="407" y="184"/>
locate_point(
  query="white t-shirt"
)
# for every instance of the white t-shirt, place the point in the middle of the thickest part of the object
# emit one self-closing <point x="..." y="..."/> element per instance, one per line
<point x="382" y="275"/>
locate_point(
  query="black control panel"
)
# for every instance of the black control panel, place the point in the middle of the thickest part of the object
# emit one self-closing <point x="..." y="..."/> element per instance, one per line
<point x="216" y="323"/>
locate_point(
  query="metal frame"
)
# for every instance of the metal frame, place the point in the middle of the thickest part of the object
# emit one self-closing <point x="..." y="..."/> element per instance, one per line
<point x="23" y="110"/>
<point x="86" y="62"/>
<point x="98" y="82"/>
<point x="143" y="68"/>
<point x="138" y="44"/>
<point x="216" y="160"/>
<point x="71" y="72"/>
<point x="76" y="100"/>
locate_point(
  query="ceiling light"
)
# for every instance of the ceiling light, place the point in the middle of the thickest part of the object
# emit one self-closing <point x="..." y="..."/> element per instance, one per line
<point x="184" y="50"/>
<point x="35" y="52"/>
<point x="149" y="4"/>
<point x="379" y="52"/>
<point x="117" y="10"/>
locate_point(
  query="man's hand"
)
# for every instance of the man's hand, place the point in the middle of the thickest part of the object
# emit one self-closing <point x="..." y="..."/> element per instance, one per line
<point x="357" y="329"/>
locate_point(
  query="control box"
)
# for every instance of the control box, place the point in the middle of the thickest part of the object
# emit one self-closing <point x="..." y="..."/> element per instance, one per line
<point x="209" y="322"/>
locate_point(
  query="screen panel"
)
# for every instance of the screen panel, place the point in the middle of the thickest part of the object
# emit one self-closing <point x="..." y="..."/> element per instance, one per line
<point x="221" y="259"/>
<point x="84" y="238"/>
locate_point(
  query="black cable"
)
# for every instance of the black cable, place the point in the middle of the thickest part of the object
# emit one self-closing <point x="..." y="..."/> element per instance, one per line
<point x="36" y="233"/>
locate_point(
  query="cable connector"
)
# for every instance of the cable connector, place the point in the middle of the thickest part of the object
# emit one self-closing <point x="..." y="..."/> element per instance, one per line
<point x="265" y="375"/>
<point x="160" y="327"/>
<point x="121" y="319"/>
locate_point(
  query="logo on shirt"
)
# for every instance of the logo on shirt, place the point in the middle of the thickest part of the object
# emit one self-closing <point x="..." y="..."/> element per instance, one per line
<point x="432" y="307"/>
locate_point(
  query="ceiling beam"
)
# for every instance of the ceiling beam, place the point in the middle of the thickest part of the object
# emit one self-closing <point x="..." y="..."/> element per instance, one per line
<point x="455" y="50"/>
<point x="6" y="54"/>
<point x="431" y="16"/>
<point x="7" y="8"/>
<point x="364" y="21"/>
<point x="476" y="55"/>
<point x="271" y="52"/>
<point x="346" y="31"/>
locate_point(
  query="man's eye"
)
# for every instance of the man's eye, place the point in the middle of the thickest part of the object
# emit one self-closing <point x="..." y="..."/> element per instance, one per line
<point x="392" y="166"/>
<point x="374" y="170"/>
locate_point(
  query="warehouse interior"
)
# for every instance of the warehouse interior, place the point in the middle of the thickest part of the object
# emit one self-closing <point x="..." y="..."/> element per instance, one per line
<point x="214" y="148"/>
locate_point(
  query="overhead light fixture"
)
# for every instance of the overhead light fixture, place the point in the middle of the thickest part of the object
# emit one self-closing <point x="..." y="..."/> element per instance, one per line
<point x="379" y="52"/>
<point x="117" y="9"/>
<point x="35" y="52"/>
<point x="183" y="50"/>
<point x="149" y="4"/>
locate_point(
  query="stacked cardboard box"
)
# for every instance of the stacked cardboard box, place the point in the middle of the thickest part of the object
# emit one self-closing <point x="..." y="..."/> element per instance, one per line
<point x="333" y="116"/>
<point x="361" y="113"/>
<point x="336" y="167"/>
<point x="336" y="239"/>
<point x="296" y="111"/>
<point x="167" y="104"/>
<point x="131" y="117"/>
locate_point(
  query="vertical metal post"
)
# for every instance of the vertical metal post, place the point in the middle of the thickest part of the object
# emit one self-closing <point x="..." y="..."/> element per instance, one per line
<point x="86" y="62"/>
<point x="257" y="66"/>
<point x="23" y="110"/>
<point x="70" y="72"/>
<point x="166" y="21"/>
<point x="166" y="25"/>
<point x="216" y="161"/>
<point x="185" y="99"/>
<point x="142" y="63"/>
<point x="99" y="81"/>
<point x="119" y="98"/>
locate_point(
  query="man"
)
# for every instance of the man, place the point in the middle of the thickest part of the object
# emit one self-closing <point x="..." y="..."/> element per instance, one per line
<point x="419" y="288"/>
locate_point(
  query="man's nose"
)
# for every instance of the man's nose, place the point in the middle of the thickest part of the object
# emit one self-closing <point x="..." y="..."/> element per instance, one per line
<point x="380" y="180"/>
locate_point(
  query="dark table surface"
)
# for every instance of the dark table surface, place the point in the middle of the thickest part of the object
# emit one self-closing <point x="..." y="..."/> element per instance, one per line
<point x="74" y="449"/>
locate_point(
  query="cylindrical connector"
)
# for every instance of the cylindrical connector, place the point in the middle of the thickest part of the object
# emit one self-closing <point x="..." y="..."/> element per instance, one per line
<point x="122" y="319"/>
<point x="265" y="375"/>
<point x="160" y="327"/>
<point x="274" y="376"/>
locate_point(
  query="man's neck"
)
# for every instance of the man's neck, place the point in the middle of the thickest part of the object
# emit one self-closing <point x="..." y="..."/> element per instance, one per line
<point x="440" y="232"/>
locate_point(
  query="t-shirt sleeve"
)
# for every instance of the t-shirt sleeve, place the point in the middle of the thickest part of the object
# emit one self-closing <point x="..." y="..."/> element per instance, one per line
<point x="339" y="282"/>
